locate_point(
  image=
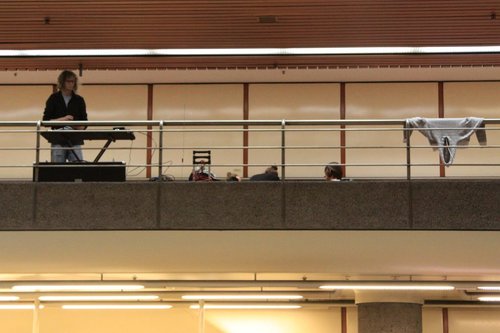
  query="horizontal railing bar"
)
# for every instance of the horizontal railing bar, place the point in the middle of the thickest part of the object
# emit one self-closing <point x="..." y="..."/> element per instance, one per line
<point x="336" y="122"/>
<point x="278" y="130"/>
<point x="189" y="166"/>
<point x="253" y="147"/>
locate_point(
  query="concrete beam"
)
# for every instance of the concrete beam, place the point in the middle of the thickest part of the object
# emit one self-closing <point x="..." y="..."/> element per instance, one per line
<point x="291" y="205"/>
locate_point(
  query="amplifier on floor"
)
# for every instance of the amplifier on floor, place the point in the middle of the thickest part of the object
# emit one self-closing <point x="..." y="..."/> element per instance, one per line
<point x="86" y="172"/>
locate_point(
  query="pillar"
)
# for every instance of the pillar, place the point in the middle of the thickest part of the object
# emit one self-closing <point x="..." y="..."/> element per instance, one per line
<point x="388" y="312"/>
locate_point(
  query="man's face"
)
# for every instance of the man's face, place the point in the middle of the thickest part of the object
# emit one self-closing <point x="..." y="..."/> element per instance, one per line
<point x="69" y="84"/>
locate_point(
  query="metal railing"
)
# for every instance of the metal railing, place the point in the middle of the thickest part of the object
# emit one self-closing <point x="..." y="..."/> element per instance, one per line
<point x="154" y="156"/>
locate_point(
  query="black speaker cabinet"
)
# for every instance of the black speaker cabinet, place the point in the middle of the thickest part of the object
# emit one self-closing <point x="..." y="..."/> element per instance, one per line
<point x="86" y="172"/>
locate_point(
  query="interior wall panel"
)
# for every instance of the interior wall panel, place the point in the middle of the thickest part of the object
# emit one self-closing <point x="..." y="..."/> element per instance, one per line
<point x="183" y="320"/>
<point x="57" y="320"/>
<point x="473" y="320"/>
<point x="16" y="321"/>
<point x="275" y="321"/>
<point x="352" y="320"/>
<point x="474" y="99"/>
<point x="295" y="101"/>
<point x="201" y="102"/>
<point x="175" y="320"/>
<point x="21" y="103"/>
<point x="389" y="101"/>
<point x="118" y="102"/>
<point x="432" y="320"/>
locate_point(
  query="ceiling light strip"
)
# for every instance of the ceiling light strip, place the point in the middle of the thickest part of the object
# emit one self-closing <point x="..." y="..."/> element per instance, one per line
<point x="252" y="51"/>
<point x="388" y="287"/>
<point x="51" y="298"/>
<point x="489" y="299"/>
<point x="116" y="306"/>
<point x="488" y="287"/>
<point x="246" y="307"/>
<point x="19" y="306"/>
<point x="241" y="297"/>
<point x="63" y="287"/>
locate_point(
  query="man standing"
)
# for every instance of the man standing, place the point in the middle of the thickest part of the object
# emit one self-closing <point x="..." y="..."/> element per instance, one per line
<point x="66" y="105"/>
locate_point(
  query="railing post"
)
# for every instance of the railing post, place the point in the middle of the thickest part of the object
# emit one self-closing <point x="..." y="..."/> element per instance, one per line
<point x="201" y="318"/>
<point x="283" y="125"/>
<point x="35" y="328"/>
<point x="160" y="154"/>
<point x="408" y="153"/>
<point x="37" y="149"/>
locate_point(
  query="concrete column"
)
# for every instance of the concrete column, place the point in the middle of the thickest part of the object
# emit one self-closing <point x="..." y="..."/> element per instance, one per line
<point x="392" y="313"/>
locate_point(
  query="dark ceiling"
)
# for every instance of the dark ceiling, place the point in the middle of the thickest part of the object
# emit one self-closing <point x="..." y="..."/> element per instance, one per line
<point x="75" y="24"/>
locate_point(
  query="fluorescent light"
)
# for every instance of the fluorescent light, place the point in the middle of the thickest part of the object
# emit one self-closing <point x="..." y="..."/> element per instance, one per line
<point x="75" y="52"/>
<point x="116" y="306"/>
<point x="8" y="298"/>
<point x="246" y="307"/>
<point x="387" y="287"/>
<point x="349" y="50"/>
<point x="217" y="52"/>
<point x="100" y="298"/>
<point x="252" y="51"/>
<point x="89" y="287"/>
<point x="240" y="297"/>
<point x="392" y="50"/>
<point x="489" y="298"/>
<point x="19" y="306"/>
<point x="489" y="287"/>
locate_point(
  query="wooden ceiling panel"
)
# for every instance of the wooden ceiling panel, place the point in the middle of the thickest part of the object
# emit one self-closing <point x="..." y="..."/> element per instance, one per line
<point x="75" y="24"/>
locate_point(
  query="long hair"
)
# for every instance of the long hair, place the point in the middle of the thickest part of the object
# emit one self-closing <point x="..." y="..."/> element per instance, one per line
<point x="64" y="76"/>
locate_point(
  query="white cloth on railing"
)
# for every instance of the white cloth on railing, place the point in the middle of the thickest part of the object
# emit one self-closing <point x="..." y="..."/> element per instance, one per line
<point x="447" y="133"/>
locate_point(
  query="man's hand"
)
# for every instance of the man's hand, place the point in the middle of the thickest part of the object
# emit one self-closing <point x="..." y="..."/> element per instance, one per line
<point x="67" y="117"/>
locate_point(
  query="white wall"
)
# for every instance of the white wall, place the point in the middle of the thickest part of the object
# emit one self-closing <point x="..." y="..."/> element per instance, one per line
<point x="176" y="320"/>
<point x="183" y="320"/>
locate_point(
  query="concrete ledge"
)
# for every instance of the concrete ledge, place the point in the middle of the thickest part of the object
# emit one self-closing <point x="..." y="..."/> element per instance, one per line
<point x="246" y="205"/>
<point x="347" y="205"/>
<point x="17" y="206"/>
<point x="293" y="205"/>
<point x="95" y="206"/>
<point x="460" y="205"/>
